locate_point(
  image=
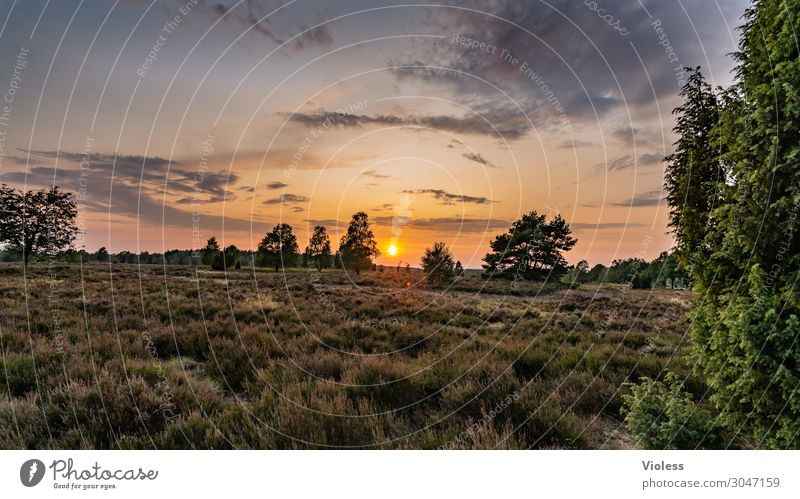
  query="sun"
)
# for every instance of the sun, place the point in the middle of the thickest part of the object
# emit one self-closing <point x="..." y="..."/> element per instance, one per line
<point x="392" y="250"/>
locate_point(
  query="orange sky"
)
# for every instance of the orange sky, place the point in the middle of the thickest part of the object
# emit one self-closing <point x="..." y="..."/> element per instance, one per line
<point x="319" y="110"/>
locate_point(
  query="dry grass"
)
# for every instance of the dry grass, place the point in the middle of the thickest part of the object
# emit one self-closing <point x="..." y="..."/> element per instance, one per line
<point x="173" y="358"/>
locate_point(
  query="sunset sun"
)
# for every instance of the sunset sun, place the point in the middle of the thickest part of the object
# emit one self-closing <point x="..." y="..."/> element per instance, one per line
<point x="392" y="250"/>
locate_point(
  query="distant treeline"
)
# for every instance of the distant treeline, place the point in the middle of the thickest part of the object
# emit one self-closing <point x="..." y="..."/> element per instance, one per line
<point x="664" y="271"/>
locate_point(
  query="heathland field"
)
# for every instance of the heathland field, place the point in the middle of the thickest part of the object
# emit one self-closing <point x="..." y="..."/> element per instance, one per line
<point x="120" y="356"/>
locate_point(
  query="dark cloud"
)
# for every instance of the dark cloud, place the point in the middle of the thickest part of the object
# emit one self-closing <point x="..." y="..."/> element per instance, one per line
<point x="625" y="135"/>
<point x="480" y="160"/>
<point x="650" y="198"/>
<point x="499" y="124"/>
<point x="617" y="164"/>
<point x="135" y="187"/>
<point x="575" y="144"/>
<point x="150" y="173"/>
<point x="287" y="199"/>
<point x="447" y="198"/>
<point x="276" y="185"/>
<point x="628" y="162"/>
<point x="573" y="55"/>
<point x="651" y="159"/>
<point x="252" y="15"/>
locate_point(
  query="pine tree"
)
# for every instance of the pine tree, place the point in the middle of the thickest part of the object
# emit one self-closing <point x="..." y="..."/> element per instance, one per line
<point x="742" y="238"/>
<point x="531" y="249"/>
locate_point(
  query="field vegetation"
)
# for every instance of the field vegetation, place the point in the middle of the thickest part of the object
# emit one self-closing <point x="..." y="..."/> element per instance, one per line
<point x="125" y="356"/>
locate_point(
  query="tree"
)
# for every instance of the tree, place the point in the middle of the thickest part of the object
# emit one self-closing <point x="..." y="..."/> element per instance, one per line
<point x="695" y="176"/>
<point x="278" y="249"/>
<point x="37" y="222"/>
<point x="531" y="249"/>
<point x="319" y="248"/>
<point x="101" y="255"/>
<point x="358" y="246"/>
<point x="578" y="273"/>
<point x="227" y="259"/>
<point x="744" y="261"/>
<point x="437" y="263"/>
<point x="209" y="252"/>
<point x="459" y="269"/>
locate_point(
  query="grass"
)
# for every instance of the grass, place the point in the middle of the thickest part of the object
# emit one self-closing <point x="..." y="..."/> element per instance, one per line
<point x="171" y="357"/>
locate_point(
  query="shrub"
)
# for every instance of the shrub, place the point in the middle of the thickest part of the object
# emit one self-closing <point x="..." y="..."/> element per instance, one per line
<point x="437" y="263"/>
<point x="660" y="415"/>
<point x="17" y="374"/>
<point x="228" y="259"/>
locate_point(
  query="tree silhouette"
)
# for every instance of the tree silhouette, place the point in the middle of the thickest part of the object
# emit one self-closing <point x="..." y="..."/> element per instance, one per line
<point x="437" y="263"/>
<point x="209" y="252"/>
<point x="278" y="249"/>
<point x="319" y="248"/>
<point x="228" y="259"/>
<point x="101" y="255"/>
<point x="358" y="246"/>
<point x="37" y="222"/>
<point x="531" y="249"/>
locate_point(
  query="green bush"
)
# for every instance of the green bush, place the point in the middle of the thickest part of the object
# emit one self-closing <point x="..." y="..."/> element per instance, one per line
<point x="660" y="415"/>
<point x="17" y="374"/>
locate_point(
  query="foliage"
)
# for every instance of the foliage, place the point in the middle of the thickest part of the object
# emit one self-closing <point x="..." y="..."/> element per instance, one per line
<point x="227" y="259"/>
<point x="660" y="415"/>
<point x="358" y="247"/>
<point x="437" y="263"/>
<point x="205" y="372"/>
<point x="278" y="249"/>
<point x="210" y="251"/>
<point x="37" y="222"/>
<point x="101" y="255"/>
<point x="695" y="176"/>
<point x="741" y="241"/>
<point x="319" y="249"/>
<point x="531" y="249"/>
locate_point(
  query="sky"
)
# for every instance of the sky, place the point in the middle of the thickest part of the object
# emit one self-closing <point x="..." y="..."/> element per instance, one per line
<point x="173" y="121"/>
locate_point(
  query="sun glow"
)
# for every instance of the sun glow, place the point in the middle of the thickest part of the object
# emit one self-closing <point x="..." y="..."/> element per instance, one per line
<point x="392" y="250"/>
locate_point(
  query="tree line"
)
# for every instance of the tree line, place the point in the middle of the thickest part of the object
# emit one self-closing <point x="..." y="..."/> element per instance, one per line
<point x="42" y="225"/>
<point x="39" y="224"/>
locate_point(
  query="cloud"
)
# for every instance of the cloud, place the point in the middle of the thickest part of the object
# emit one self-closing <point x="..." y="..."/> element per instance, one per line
<point x="151" y="174"/>
<point x="625" y="135"/>
<point x="287" y="199"/>
<point x="502" y="123"/>
<point x="575" y="144"/>
<point x="374" y="174"/>
<point x="572" y="54"/>
<point x="651" y="159"/>
<point x="276" y="185"/>
<point x="251" y="15"/>
<point x="480" y="160"/>
<point x="650" y="198"/>
<point x="617" y="164"/>
<point x="123" y="194"/>
<point x="447" y="198"/>
<point x="627" y="162"/>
